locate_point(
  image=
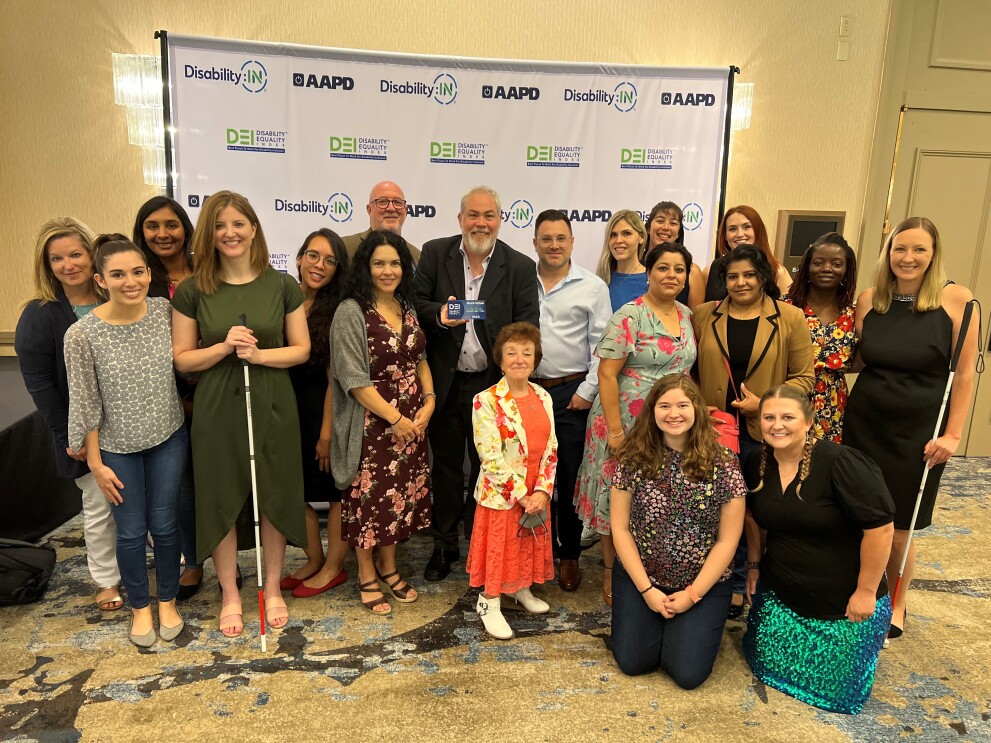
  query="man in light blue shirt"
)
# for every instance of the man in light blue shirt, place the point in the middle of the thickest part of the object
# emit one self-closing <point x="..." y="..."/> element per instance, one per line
<point x="574" y="309"/>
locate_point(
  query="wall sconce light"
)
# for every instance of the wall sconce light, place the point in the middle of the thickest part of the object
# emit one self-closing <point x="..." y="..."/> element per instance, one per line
<point x="743" y="100"/>
<point x="138" y="87"/>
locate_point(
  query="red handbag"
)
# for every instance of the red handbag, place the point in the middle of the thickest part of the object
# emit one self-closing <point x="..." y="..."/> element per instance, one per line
<point x="727" y="425"/>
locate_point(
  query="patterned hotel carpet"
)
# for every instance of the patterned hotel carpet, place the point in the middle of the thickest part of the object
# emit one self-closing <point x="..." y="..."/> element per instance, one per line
<point x="430" y="673"/>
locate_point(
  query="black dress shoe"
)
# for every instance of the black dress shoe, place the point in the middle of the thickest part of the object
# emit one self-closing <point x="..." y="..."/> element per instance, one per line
<point x="187" y="592"/>
<point x="439" y="565"/>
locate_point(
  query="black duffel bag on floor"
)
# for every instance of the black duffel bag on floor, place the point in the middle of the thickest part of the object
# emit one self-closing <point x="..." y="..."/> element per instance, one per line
<point x="25" y="570"/>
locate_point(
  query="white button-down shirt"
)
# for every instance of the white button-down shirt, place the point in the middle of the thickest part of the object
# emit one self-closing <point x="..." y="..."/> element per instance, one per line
<point x="573" y="316"/>
<point x="473" y="357"/>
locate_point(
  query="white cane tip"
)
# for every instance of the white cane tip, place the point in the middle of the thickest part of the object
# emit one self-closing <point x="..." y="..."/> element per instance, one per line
<point x="264" y="647"/>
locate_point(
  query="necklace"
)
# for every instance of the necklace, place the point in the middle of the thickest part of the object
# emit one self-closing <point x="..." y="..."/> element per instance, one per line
<point x="530" y="400"/>
<point x="904" y="297"/>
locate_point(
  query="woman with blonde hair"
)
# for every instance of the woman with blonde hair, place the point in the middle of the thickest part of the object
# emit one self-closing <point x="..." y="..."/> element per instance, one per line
<point x="64" y="292"/>
<point x="620" y="263"/>
<point x="909" y="322"/>
<point x="677" y="515"/>
<point x="236" y="308"/>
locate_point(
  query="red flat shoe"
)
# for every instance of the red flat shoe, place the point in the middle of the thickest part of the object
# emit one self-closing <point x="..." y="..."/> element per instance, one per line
<point x="290" y="584"/>
<point x="305" y="592"/>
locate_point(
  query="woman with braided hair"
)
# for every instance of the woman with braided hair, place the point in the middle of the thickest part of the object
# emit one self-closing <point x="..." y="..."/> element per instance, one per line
<point x="819" y="526"/>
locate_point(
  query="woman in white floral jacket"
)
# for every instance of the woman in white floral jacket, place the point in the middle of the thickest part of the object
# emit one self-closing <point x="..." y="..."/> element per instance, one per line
<point x="513" y="424"/>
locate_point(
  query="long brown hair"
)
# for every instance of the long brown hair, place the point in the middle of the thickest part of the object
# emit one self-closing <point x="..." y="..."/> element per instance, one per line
<point x="760" y="234"/>
<point x="644" y="445"/>
<point x="205" y="255"/>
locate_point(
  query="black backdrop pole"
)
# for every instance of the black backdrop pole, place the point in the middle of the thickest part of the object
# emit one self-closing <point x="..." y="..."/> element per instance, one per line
<point x="727" y="131"/>
<point x="163" y="37"/>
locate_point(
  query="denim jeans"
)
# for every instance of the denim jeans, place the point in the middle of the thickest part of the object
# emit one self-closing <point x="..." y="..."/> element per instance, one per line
<point x="684" y="647"/>
<point x="739" y="579"/>
<point x="151" y="504"/>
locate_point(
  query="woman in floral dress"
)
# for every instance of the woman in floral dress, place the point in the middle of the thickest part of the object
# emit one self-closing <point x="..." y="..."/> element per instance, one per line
<point x="644" y="340"/>
<point x="382" y="396"/>
<point x="824" y="289"/>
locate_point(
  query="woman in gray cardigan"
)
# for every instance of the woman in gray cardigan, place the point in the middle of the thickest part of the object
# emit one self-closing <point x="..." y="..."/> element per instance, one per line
<point x="382" y="397"/>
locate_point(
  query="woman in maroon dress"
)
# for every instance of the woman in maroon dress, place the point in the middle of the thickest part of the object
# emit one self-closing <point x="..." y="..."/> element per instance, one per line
<point x="382" y="396"/>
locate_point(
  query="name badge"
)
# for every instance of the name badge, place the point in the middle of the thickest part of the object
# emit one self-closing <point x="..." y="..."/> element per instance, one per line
<point x="466" y="309"/>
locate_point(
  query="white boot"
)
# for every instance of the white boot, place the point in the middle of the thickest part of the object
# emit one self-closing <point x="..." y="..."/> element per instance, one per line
<point x="526" y="600"/>
<point x="491" y="614"/>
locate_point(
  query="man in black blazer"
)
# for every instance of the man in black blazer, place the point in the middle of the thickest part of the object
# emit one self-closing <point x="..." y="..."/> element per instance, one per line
<point x="472" y="265"/>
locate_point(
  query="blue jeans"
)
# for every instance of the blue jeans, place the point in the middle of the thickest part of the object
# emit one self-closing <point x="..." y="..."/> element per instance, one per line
<point x="739" y="578"/>
<point x="684" y="647"/>
<point x="151" y="504"/>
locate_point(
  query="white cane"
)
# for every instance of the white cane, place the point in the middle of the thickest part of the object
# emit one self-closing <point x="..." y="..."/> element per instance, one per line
<point x="964" y="325"/>
<point x="254" y="495"/>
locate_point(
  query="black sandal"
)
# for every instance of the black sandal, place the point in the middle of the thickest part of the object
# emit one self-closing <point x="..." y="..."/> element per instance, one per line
<point x="399" y="594"/>
<point x="372" y="586"/>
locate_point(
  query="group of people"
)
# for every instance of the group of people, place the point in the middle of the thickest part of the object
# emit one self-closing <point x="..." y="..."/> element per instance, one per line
<point x="658" y="404"/>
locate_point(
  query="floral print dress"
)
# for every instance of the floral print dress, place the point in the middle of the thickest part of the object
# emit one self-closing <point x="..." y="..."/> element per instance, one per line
<point x="390" y="497"/>
<point x="635" y="333"/>
<point x="833" y="345"/>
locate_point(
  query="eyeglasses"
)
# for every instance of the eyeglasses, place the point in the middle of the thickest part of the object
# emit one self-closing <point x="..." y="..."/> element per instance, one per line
<point x="548" y="240"/>
<point x="384" y="203"/>
<point x="313" y="258"/>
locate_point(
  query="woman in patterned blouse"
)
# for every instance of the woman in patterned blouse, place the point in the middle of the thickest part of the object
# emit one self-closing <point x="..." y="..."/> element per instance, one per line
<point x="824" y="289"/>
<point x="677" y="515"/>
<point x="513" y="423"/>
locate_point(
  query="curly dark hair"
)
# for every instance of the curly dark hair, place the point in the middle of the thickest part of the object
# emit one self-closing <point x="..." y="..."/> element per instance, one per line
<point x="359" y="284"/>
<point x="159" y="275"/>
<point x="755" y="256"/>
<point x="327" y="299"/>
<point x="799" y="292"/>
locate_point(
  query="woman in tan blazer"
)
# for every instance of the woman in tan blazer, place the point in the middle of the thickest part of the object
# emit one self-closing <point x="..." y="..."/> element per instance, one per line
<point x="763" y="341"/>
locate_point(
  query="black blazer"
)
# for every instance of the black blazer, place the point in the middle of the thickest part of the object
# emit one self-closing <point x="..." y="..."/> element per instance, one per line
<point x="38" y="342"/>
<point x="509" y="290"/>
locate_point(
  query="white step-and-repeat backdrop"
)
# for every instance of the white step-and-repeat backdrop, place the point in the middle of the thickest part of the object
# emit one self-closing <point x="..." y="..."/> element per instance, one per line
<point x="305" y="132"/>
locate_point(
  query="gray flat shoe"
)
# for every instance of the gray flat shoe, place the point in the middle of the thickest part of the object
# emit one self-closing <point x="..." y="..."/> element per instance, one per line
<point x="170" y="633"/>
<point x="142" y="641"/>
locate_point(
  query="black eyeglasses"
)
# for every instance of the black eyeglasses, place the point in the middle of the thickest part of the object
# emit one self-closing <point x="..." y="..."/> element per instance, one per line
<point x="384" y="203"/>
<point x="313" y="258"/>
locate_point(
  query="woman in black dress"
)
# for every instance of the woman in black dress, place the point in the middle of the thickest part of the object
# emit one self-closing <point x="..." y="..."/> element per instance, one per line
<point x="909" y="324"/>
<point x="322" y="263"/>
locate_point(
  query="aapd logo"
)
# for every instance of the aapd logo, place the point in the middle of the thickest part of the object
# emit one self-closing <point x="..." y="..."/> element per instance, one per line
<point x="691" y="217"/>
<point x="193" y="201"/>
<point x="688" y="99"/>
<point x="520" y="214"/>
<point x="445" y="89"/>
<point x="510" y="92"/>
<point x="340" y="208"/>
<point x="625" y="97"/>
<point x="254" y="76"/>
<point x="327" y="82"/>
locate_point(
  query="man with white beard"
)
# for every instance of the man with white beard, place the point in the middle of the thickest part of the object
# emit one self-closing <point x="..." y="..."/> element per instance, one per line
<point x="474" y="265"/>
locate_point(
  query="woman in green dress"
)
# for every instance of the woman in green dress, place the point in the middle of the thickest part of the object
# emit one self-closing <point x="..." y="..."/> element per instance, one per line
<point x="236" y="308"/>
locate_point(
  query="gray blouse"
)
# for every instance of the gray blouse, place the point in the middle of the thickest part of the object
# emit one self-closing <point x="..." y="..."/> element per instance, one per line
<point x="348" y="369"/>
<point x="121" y="381"/>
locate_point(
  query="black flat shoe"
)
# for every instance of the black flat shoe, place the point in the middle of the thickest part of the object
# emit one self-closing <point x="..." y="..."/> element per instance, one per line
<point x="439" y="565"/>
<point x="187" y="592"/>
<point x="735" y="611"/>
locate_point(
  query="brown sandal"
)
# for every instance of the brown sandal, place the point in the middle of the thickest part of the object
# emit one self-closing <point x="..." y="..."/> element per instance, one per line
<point x="372" y="586"/>
<point x="400" y="594"/>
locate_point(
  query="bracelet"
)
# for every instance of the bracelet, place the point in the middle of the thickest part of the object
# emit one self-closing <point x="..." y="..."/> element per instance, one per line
<point x="429" y="394"/>
<point x="692" y="593"/>
<point x="616" y="435"/>
<point x="647" y="589"/>
<point x="749" y="565"/>
<point x="397" y="420"/>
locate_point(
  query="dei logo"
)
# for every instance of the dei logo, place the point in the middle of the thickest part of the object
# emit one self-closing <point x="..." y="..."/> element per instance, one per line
<point x="326" y="82"/>
<point x="359" y="148"/>
<point x="554" y="156"/>
<point x="520" y="214"/>
<point x="458" y="153"/>
<point x="510" y="92"/>
<point x="646" y="158"/>
<point x="691" y="217"/>
<point x="688" y="99"/>
<point x="257" y="140"/>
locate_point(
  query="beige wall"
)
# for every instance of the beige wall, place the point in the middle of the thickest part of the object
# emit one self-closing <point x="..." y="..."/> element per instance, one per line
<point x="64" y="149"/>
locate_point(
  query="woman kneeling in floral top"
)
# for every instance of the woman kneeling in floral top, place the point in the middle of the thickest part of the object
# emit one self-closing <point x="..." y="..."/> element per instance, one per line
<point x="677" y="515"/>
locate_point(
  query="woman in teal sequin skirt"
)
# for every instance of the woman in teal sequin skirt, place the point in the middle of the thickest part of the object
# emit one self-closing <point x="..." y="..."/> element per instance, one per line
<point x="819" y="521"/>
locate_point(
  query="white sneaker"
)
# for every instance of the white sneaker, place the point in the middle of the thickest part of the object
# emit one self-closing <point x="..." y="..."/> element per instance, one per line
<point x="491" y="613"/>
<point x="531" y="603"/>
<point x="589" y="537"/>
